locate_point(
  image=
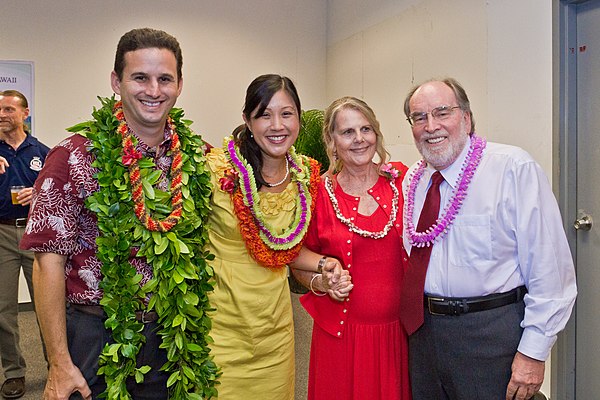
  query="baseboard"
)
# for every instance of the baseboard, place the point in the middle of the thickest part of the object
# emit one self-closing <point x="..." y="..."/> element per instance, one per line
<point x="28" y="306"/>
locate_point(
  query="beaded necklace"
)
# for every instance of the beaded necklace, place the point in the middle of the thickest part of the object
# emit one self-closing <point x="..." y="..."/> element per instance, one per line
<point x="348" y="222"/>
<point x="287" y="173"/>
<point x="441" y="227"/>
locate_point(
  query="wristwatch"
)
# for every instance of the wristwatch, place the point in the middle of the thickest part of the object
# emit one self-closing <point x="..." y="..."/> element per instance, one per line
<point x="321" y="264"/>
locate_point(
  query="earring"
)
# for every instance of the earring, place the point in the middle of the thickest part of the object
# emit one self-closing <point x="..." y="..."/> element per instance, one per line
<point x="252" y="135"/>
<point x="335" y="156"/>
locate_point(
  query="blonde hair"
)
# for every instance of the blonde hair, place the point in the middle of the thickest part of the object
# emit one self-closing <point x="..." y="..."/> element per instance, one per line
<point x="343" y="103"/>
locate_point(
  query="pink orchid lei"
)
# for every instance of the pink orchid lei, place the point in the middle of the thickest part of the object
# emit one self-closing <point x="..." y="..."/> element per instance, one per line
<point x="438" y="230"/>
<point x="300" y="174"/>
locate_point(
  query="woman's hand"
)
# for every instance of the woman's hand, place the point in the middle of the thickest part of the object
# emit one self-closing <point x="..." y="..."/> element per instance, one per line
<point x="335" y="280"/>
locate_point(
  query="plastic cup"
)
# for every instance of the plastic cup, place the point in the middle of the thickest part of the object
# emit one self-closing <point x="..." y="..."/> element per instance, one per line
<point x="14" y="191"/>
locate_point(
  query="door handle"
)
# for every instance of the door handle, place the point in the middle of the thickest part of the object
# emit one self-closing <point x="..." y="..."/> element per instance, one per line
<point x="583" y="223"/>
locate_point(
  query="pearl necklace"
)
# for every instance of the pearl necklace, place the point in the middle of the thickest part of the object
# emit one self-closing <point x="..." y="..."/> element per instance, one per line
<point x="442" y="225"/>
<point x="287" y="173"/>
<point x="348" y="222"/>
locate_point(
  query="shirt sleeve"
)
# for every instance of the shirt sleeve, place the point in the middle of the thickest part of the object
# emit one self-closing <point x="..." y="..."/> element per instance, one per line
<point x="544" y="259"/>
<point x="55" y="210"/>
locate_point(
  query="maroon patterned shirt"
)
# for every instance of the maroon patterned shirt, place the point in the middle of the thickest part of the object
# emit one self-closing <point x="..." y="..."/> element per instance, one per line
<point x="60" y="223"/>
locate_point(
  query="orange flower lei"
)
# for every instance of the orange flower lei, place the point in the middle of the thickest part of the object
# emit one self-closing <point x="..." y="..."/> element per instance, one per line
<point x="257" y="248"/>
<point x="131" y="159"/>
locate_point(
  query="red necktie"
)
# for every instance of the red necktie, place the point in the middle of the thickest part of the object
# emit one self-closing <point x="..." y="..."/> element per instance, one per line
<point x="411" y="297"/>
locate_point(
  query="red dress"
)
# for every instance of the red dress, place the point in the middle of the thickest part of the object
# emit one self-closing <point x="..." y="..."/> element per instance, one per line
<point x="359" y="349"/>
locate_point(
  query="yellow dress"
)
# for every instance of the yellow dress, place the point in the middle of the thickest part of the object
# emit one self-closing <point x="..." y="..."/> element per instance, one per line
<point x="252" y="327"/>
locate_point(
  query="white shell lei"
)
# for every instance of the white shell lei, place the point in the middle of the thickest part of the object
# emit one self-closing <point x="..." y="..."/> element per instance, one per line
<point x="348" y="222"/>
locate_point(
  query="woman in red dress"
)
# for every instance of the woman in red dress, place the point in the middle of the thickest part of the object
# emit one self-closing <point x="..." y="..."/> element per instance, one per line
<point x="359" y="349"/>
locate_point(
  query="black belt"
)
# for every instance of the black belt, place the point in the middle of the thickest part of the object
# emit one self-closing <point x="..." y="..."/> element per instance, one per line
<point x="458" y="305"/>
<point x="144" y="317"/>
<point x="18" y="222"/>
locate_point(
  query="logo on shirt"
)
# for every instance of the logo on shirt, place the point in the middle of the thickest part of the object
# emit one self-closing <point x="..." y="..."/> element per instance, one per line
<point x="36" y="164"/>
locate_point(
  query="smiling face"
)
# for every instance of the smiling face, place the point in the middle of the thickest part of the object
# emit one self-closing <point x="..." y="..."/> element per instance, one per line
<point x="149" y="89"/>
<point x="440" y="142"/>
<point x="12" y="116"/>
<point x="354" y="139"/>
<point x="275" y="130"/>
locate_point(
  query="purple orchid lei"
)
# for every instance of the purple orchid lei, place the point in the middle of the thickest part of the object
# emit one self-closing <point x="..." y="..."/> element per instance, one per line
<point x="440" y="228"/>
<point x="294" y="234"/>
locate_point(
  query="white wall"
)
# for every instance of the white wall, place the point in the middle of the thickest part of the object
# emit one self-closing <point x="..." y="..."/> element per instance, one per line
<point x="226" y="44"/>
<point x="500" y="50"/>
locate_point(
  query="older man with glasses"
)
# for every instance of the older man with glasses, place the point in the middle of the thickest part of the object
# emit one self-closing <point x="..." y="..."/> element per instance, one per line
<point x="491" y="279"/>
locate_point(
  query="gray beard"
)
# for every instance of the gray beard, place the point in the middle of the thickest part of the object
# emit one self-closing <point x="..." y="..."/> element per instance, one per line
<point x="443" y="160"/>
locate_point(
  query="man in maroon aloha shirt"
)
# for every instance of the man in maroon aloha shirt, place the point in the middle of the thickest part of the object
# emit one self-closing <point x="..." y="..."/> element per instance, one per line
<point x="62" y="231"/>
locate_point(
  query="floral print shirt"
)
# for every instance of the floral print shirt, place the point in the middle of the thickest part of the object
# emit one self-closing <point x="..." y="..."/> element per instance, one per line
<point x="60" y="223"/>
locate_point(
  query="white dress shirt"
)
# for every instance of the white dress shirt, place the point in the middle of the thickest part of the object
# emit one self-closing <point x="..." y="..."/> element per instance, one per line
<point x="507" y="233"/>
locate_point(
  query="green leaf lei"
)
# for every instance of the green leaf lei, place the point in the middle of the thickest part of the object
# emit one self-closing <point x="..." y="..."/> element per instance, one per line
<point x="179" y="289"/>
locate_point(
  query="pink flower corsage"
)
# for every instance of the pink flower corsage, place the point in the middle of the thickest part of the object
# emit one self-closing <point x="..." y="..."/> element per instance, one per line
<point x="389" y="171"/>
<point x="229" y="181"/>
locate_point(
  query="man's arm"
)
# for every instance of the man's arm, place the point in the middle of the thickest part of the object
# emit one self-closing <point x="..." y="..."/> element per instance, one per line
<point x="547" y="268"/>
<point x="64" y="378"/>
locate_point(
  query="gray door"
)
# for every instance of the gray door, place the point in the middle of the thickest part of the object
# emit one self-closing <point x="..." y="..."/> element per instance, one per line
<point x="587" y="367"/>
<point x="576" y="89"/>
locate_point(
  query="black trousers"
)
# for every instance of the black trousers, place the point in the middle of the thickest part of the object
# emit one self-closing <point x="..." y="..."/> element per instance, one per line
<point x="465" y="357"/>
<point x="87" y="336"/>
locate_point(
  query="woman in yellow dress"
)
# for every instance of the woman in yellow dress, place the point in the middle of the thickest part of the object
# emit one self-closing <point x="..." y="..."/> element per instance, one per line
<point x="261" y="208"/>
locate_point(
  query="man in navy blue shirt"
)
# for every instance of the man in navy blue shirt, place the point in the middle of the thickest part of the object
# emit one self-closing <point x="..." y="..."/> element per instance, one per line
<point x="21" y="159"/>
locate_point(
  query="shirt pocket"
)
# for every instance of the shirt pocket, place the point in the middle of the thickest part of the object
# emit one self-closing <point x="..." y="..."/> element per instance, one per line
<point x="470" y="240"/>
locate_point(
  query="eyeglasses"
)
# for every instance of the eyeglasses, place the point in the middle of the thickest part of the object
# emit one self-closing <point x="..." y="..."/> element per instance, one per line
<point x="439" y="113"/>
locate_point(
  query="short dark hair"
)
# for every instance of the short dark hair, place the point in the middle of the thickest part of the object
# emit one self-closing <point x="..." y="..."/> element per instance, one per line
<point x="258" y="95"/>
<point x="459" y="93"/>
<point x="16" y="93"/>
<point x="146" y="38"/>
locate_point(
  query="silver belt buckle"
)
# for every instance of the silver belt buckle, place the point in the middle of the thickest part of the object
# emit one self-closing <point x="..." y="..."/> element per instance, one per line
<point x="429" y="299"/>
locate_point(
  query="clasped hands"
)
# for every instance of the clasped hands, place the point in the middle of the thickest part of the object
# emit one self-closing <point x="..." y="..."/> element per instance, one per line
<point x="334" y="280"/>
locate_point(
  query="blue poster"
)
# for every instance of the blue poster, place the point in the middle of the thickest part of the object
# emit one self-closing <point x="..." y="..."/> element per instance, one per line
<point x="18" y="75"/>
